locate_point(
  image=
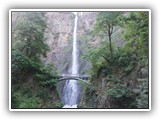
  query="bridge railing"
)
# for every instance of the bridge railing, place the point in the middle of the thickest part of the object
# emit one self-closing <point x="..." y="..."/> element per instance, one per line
<point x="74" y="75"/>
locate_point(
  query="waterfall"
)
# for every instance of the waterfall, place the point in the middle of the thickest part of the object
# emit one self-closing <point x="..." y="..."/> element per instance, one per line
<point x="71" y="87"/>
<point x="75" y="52"/>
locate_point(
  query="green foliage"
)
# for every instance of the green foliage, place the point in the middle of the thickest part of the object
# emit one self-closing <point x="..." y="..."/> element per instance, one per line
<point x="19" y="61"/>
<point x="119" y="94"/>
<point x="135" y="26"/>
<point x="32" y="80"/>
<point x="118" y="90"/>
<point x="29" y="103"/>
<point x="136" y="32"/>
<point x="46" y="75"/>
<point x="43" y="80"/>
<point x="105" y="22"/>
<point x="23" y="98"/>
<point x="125" y="60"/>
<point x="28" y="35"/>
<point x="123" y="63"/>
<point x="105" y="25"/>
<point x="99" y="57"/>
<point x="58" y="104"/>
<point x="142" y="93"/>
<point x="28" y="44"/>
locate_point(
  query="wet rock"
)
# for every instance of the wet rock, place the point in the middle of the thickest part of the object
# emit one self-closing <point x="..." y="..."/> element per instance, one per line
<point x="59" y="36"/>
<point x="143" y="73"/>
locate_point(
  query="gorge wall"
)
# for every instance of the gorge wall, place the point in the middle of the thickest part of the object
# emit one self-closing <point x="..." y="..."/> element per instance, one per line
<point x="59" y="37"/>
<point x="113" y="86"/>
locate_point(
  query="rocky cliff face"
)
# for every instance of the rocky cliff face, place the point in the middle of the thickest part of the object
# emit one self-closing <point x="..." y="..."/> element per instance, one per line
<point x="58" y="32"/>
<point x="59" y="35"/>
<point x="86" y="23"/>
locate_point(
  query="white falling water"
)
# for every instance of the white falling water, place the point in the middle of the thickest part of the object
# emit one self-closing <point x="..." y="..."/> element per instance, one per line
<point x="74" y="52"/>
<point x="71" y="88"/>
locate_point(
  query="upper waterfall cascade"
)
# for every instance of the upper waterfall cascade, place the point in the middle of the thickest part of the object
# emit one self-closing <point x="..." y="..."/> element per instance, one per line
<point x="71" y="87"/>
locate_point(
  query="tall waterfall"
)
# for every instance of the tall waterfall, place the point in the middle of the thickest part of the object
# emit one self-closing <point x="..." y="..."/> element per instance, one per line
<point x="71" y="88"/>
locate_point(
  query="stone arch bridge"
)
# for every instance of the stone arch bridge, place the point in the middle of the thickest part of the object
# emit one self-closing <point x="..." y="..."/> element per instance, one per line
<point x="83" y="78"/>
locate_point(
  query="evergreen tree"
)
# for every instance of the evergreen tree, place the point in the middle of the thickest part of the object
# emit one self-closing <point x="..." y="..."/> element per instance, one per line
<point x="31" y="78"/>
<point x="105" y="25"/>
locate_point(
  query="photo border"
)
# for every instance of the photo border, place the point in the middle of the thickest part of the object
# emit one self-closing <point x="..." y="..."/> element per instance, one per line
<point x="77" y="10"/>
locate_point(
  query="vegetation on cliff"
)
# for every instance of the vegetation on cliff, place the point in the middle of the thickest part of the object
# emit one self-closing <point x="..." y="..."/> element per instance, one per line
<point x="33" y="85"/>
<point x="119" y="74"/>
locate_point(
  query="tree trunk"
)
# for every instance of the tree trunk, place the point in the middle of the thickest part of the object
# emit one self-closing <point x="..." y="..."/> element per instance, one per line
<point x="110" y="45"/>
<point x="110" y="30"/>
<point x="104" y="101"/>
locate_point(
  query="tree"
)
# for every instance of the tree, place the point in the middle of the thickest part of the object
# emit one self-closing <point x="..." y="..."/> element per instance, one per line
<point x="124" y="90"/>
<point x="32" y="80"/>
<point x="136" y="32"/>
<point x="136" y="35"/>
<point x="28" y="44"/>
<point x="105" y="24"/>
<point x="28" y="35"/>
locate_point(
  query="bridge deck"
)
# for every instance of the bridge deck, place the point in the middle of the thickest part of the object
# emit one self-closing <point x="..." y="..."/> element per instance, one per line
<point x="72" y="77"/>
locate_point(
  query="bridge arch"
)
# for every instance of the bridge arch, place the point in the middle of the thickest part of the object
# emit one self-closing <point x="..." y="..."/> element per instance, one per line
<point x="73" y="78"/>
